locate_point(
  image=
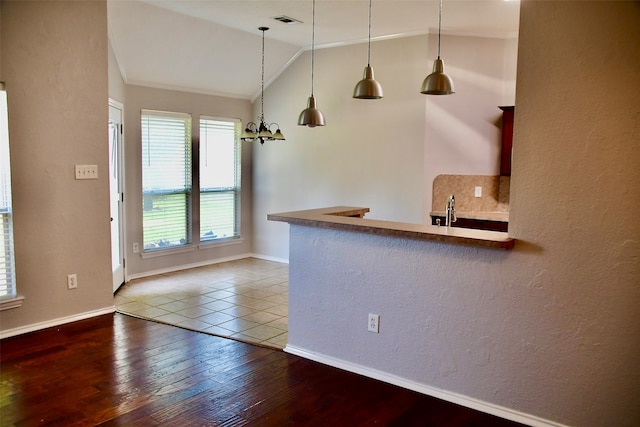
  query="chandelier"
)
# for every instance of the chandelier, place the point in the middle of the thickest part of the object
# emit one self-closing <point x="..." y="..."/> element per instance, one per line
<point x="262" y="131"/>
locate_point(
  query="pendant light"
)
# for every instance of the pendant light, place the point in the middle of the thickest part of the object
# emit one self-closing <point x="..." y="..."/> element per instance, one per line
<point x="368" y="87"/>
<point x="262" y="132"/>
<point x="311" y="116"/>
<point x="438" y="83"/>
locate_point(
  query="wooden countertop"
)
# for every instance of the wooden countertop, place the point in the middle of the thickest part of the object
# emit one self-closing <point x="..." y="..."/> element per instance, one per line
<point x="350" y="219"/>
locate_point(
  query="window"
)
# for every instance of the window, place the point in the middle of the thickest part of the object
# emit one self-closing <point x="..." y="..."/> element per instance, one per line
<point x="172" y="213"/>
<point x="166" y="179"/>
<point x="7" y="261"/>
<point x="219" y="178"/>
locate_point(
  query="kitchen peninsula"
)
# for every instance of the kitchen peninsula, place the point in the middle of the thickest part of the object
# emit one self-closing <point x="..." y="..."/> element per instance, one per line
<point x="419" y="283"/>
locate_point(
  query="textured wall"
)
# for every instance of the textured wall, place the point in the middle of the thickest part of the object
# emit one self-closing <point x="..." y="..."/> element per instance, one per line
<point x="54" y="62"/>
<point x="550" y="328"/>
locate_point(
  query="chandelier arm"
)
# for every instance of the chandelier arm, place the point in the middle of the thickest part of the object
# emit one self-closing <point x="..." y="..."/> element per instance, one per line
<point x="262" y="86"/>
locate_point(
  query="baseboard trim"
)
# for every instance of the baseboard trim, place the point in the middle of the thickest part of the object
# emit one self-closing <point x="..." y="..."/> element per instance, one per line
<point x="55" y="322"/>
<point x="270" y="258"/>
<point x="186" y="266"/>
<point x="456" y="398"/>
<point x="202" y="264"/>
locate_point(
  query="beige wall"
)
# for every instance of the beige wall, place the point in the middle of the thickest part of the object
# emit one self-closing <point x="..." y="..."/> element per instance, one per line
<point x="54" y="63"/>
<point x="575" y="192"/>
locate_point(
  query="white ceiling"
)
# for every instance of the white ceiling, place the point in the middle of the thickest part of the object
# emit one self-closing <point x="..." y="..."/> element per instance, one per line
<point x="214" y="46"/>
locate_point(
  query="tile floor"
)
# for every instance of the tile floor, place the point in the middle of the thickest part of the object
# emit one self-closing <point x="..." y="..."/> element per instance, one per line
<point x="245" y="299"/>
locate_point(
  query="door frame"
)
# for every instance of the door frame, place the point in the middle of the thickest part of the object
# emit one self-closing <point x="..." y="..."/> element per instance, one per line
<point x="120" y="162"/>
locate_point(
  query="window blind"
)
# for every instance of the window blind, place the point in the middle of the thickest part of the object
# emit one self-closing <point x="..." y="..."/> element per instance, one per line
<point x="166" y="179"/>
<point x="7" y="261"/>
<point x="220" y="152"/>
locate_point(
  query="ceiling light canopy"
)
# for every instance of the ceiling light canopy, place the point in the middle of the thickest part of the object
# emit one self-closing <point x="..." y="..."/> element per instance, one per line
<point x="312" y="116"/>
<point x="438" y="83"/>
<point x="262" y="131"/>
<point x="368" y="87"/>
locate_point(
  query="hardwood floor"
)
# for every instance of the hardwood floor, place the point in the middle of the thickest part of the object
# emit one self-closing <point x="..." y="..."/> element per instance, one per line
<point x="120" y="370"/>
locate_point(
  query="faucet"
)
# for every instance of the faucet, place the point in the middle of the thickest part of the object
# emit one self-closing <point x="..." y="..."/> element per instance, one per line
<point x="451" y="211"/>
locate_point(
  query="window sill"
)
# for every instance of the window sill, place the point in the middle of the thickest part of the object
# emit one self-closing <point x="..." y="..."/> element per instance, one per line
<point x="11" y="303"/>
<point x="169" y="251"/>
<point x="216" y="243"/>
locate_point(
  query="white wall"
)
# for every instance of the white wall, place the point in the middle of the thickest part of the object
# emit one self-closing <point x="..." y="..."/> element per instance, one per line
<point x="138" y="98"/>
<point x="54" y="63"/>
<point x="117" y="87"/>
<point x="548" y="331"/>
<point x="382" y="154"/>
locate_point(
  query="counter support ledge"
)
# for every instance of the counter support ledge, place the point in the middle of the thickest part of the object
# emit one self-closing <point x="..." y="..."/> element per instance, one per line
<point x="349" y="218"/>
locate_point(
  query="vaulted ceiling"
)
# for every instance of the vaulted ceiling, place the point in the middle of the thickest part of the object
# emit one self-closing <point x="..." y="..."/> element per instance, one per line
<point x="214" y="46"/>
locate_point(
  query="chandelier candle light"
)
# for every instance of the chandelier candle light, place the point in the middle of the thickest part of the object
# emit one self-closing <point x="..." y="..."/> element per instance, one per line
<point x="312" y="116"/>
<point x="438" y="83"/>
<point x="262" y="132"/>
<point x="368" y="87"/>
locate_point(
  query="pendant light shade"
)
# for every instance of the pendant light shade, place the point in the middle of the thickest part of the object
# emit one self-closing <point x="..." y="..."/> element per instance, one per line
<point x="368" y="87"/>
<point x="262" y="131"/>
<point x="311" y="116"/>
<point x="438" y="83"/>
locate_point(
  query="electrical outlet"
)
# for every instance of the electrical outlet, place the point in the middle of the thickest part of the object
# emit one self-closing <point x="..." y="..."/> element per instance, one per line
<point x="478" y="192"/>
<point x="374" y="323"/>
<point x="72" y="281"/>
<point x="136" y="248"/>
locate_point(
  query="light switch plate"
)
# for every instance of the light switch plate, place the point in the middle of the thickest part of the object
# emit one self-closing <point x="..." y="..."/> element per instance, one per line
<point x="86" y="171"/>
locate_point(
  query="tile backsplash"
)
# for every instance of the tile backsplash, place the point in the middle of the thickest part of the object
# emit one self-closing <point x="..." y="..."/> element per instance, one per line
<point x="495" y="193"/>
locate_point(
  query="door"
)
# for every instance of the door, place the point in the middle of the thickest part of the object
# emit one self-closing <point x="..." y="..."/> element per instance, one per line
<point x="115" y="190"/>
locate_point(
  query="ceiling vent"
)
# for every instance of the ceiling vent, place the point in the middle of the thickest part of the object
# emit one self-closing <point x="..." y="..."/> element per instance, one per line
<point x="287" y="20"/>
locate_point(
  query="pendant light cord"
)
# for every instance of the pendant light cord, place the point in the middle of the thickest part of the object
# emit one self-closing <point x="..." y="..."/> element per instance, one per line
<point x="313" y="40"/>
<point x="369" y="49"/>
<point x="439" y="27"/>
<point x="262" y="87"/>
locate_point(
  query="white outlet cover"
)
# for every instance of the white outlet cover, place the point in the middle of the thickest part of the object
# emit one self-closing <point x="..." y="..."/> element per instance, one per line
<point x="478" y="192"/>
<point x="374" y="323"/>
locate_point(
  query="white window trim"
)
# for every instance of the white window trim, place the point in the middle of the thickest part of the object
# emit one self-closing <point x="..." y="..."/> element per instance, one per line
<point x="8" y="304"/>
<point x="10" y="299"/>
<point x="188" y="246"/>
<point x="237" y="238"/>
